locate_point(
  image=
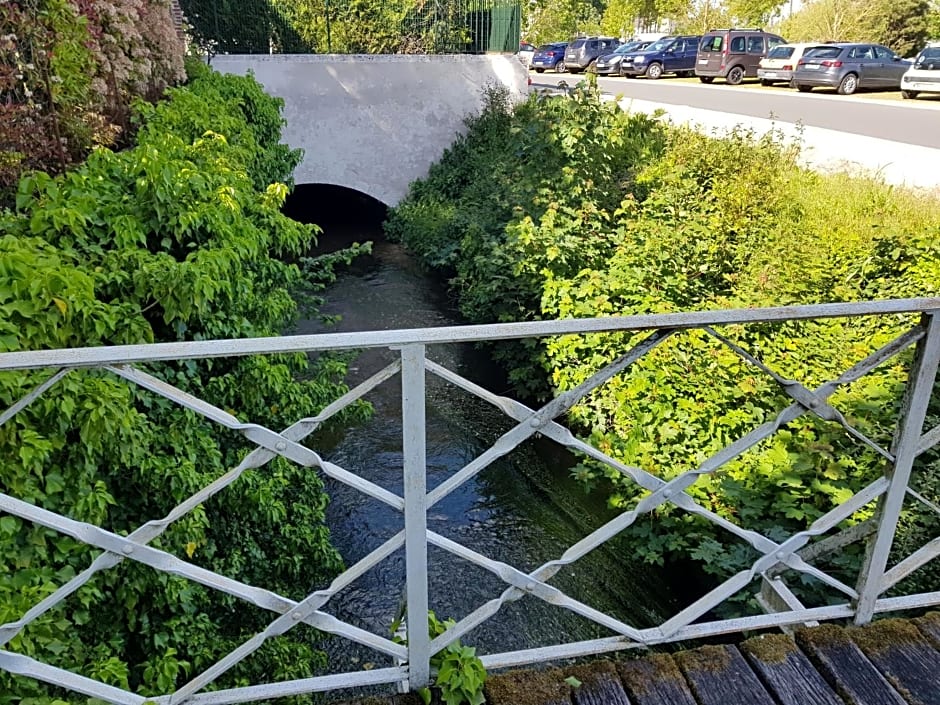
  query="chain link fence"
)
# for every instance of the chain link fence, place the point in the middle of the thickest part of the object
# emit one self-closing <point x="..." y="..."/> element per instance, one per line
<point x="354" y="26"/>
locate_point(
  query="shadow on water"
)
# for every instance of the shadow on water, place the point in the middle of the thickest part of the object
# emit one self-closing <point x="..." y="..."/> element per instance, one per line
<point x="523" y="509"/>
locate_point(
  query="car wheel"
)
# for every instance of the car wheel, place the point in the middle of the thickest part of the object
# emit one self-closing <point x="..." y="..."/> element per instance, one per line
<point x="574" y="70"/>
<point x="765" y="82"/>
<point x="560" y="67"/>
<point x="849" y="84"/>
<point x="908" y="95"/>
<point x="803" y="89"/>
<point x="654" y="71"/>
<point x="539" y="70"/>
<point x="706" y="79"/>
<point x="735" y="76"/>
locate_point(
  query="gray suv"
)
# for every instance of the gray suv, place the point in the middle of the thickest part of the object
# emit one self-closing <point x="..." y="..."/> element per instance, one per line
<point x="732" y="54"/>
<point x="582" y="52"/>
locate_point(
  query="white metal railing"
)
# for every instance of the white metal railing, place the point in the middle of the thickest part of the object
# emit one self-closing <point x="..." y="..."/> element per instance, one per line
<point x="795" y="553"/>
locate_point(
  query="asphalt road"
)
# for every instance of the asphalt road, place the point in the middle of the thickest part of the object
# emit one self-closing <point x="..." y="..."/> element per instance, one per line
<point x="910" y="122"/>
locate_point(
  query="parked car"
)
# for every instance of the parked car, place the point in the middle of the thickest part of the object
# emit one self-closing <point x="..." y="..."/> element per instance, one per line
<point x="733" y="54"/>
<point x="583" y="52"/>
<point x="667" y="55"/>
<point x="780" y="63"/>
<point x="924" y="75"/>
<point x="550" y="56"/>
<point x="848" y="67"/>
<point x="610" y="63"/>
<point x="525" y="53"/>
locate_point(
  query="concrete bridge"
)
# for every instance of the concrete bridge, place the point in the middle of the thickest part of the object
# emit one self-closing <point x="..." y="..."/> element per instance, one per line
<point x="375" y="123"/>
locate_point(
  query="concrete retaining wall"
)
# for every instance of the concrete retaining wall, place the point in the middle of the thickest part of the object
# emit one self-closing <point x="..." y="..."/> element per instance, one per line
<point x="375" y="123"/>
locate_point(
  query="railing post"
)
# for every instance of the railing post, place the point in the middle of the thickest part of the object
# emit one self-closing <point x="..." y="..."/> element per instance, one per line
<point x="416" y="546"/>
<point x="907" y="436"/>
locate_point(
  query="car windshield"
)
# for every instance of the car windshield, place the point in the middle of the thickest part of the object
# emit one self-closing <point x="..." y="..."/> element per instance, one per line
<point x="628" y="47"/>
<point x="823" y="52"/>
<point x="929" y="56"/>
<point x="781" y="52"/>
<point x="659" y="45"/>
<point x="548" y="47"/>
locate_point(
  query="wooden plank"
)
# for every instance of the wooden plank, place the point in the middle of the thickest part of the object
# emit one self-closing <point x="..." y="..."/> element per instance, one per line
<point x="719" y="675"/>
<point x="904" y="657"/>
<point x="786" y="672"/>
<point x="845" y="667"/>
<point x="929" y="626"/>
<point x="528" y="688"/>
<point x="600" y="684"/>
<point x="655" y="680"/>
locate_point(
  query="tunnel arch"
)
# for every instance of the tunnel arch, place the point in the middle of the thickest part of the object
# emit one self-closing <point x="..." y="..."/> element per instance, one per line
<point x="345" y="214"/>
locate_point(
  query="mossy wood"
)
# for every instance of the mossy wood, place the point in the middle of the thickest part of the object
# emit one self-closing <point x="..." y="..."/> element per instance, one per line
<point x="786" y="672"/>
<point x="655" y="681"/>
<point x="844" y="666"/>
<point x="719" y="675"/>
<point x="905" y="657"/>
<point x="600" y="685"/>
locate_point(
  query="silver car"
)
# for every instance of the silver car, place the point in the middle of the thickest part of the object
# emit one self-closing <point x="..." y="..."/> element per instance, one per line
<point x="848" y="67"/>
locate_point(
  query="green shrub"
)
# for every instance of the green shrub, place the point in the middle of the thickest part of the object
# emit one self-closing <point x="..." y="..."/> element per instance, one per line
<point x="179" y="238"/>
<point x="602" y="214"/>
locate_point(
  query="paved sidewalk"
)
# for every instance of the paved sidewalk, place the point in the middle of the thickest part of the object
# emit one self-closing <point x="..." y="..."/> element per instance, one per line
<point x="823" y="150"/>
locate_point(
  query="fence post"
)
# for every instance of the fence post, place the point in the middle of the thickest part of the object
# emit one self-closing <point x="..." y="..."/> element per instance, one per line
<point x="416" y="547"/>
<point x="907" y="436"/>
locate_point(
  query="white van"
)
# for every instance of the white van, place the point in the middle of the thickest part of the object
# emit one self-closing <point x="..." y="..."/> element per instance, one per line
<point x="924" y="74"/>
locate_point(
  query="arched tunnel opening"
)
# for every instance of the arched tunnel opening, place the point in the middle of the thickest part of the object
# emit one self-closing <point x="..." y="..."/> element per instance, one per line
<point x="345" y="215"/>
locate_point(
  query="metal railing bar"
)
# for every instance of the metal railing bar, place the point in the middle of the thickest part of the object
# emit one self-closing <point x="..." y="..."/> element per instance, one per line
<point x="918" y="558"/>
<point x="168" y="563"/>
<point x="524" y="582"/>
<point x="34" y="394"/>
<point x="259" y="435"/>
<point x="923" y="500"/>
<point x="524" y="657"/>
<point x="910" y="426"/>
<point x="300" y="613"/>
<point x="129" y="354"/>
<point x="563" y="436"/>
<point x="728" y="453"/>
<point x="414" y="481"/>
<point x="772" y="620"/>
<point x="785" y="554"/>
<point x="29" y="667"/>
<point x="833" y="543"/>
<point x="776" y="596"/>
<point x="659" y="496"/>
<point x="929" y="440"/>
<point x="354" y="394"/>
<point x="318" y="684"/>
<point x="803" y="395"/>
<point x="152" y="529"/>
<point x="559" y="405"/>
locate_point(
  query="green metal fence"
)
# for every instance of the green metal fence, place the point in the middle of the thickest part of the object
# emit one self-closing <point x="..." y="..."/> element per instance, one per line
<point x="354" y="26"/>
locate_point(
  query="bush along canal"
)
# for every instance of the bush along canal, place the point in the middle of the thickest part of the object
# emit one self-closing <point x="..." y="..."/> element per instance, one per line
<point x="524" y="509"/>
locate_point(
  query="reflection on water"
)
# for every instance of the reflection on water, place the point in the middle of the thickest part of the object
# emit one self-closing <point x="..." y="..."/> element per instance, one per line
<point x="523" y="509"/>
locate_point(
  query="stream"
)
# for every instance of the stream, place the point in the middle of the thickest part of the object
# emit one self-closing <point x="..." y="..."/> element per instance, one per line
<point x="524" y="509"/>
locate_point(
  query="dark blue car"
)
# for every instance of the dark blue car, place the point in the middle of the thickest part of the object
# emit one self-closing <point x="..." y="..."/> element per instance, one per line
<point x="667" y="55"/>
<point x="550" y="56"/>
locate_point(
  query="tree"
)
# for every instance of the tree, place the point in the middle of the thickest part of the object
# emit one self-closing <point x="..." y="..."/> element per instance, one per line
<point x="903" y="26"/>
